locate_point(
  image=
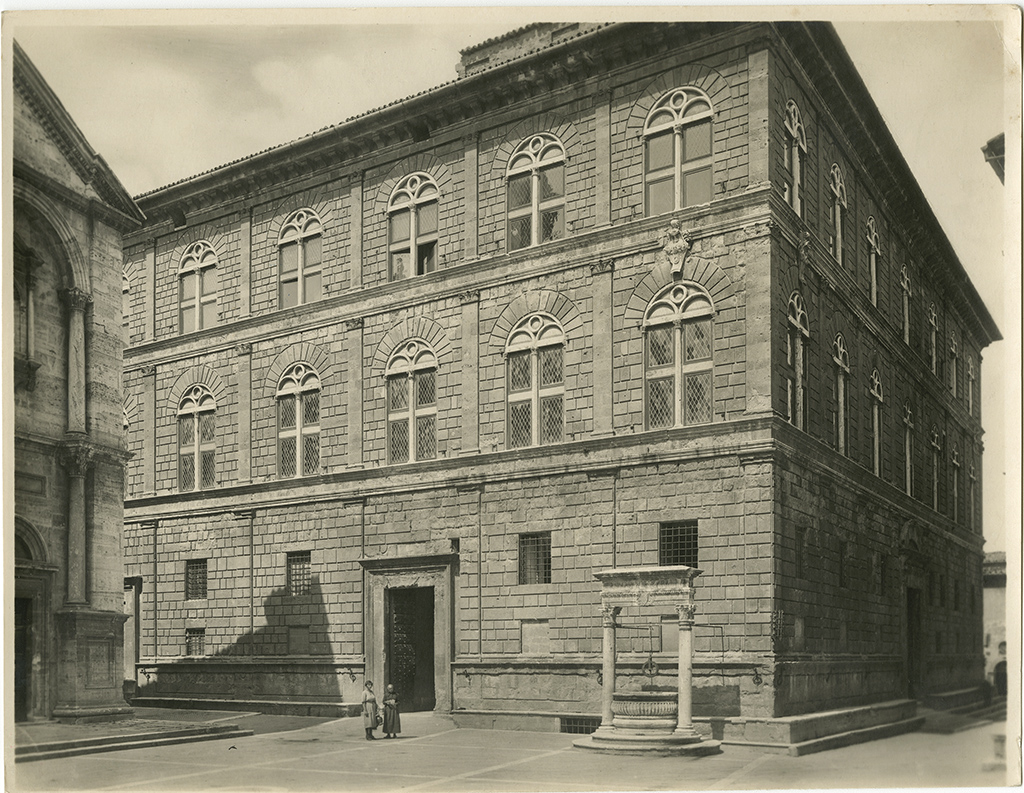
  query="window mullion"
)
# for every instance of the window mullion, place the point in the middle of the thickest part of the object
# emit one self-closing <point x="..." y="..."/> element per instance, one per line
<point x="677" y="330"/>
<point x="300" y="286"/>
<point x="677" y="171"/>
<point x="535" y="206"/>
<point x="535" y="398"/>
<point x="414" y="258"/>
<point x="411" y="392"/>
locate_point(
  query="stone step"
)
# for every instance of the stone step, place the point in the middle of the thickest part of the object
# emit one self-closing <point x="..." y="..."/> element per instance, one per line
<point x="277" y="707"/>
<point x="114" y="743"/>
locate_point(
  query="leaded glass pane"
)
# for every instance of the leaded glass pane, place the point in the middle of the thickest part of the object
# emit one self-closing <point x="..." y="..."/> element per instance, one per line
<point x="426" y="260"/>
<point x="310" y="408"/>
<point x="660" y="394"/>
<point x="186" y="431"/>
<point x="425" y="389"/>
<point x="311" y="287"/>
<point x="398" y="393"/>
<point x="520" y="424"/>
<point x="519" y="191"/>
<point x="551" y="419"/>
<point x="697" y="141"/>
<point x="400" y="226"/>
<point x="208" y="473"/>
<point x="519" y="233"/>
<point x="660" y="151"/>
<point x="426" y="218"/>
<point x="552" y="182"/>
<point x="398" y="441"/>
<point x="697" y="395"/>
<point x="289" y="255"/>
<point x="426" y="442"/>
<point x="697" y="339"/>
<point x="660" y="346"/>
<point x="552" y="224"/>
<point x="311" y="454"/>
<point x="209" y="315"/>
<point x="287" y="456"/>
<point x="207" y="426"/>
<point x="661" y="196"/>
<point x="313" y="250"/>
<point x="550" y="365"/>
<point x="186" y="472"/>
<point x="286" y="412"/>
<point x="188" y="318"/>
<point x="697" y="187"/>
<point x="519" y="375"/>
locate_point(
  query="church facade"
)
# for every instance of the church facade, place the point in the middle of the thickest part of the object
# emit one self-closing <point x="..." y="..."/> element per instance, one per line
<point x="620" y="295"/>
<point x="69" y="212"/>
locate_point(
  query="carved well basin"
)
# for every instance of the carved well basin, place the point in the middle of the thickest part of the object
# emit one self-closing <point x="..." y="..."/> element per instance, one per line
<point x="645" y="710"/>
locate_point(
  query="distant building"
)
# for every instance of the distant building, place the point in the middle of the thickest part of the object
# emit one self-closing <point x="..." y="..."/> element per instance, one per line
<point x="620" y="295"/>
<point x="69" y="214"/>
<point x="995" y="620"/>
<point x="994" y="156"/>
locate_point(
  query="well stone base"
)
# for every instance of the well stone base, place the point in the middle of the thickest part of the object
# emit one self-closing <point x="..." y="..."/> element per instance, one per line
<point x="636" y="742"/>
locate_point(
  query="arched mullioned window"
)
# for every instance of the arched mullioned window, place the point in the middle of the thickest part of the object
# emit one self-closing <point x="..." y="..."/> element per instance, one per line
<point x="197" y="288"/>
<point x="837" y="212"/>
<point x="878" y="398"/>
<point x="874" y="251"/>
<point x="536" y="191"/>
<point x="678" y="360"/>
<point x="412" y="227"/>
<point x="906" y="289"/>
<point x="970" y="384"/>
<point x="535" y="382"/>
<point x="678" y="151"/>
<point x="842" y="361"/>
<point x="797" y="335"/>
<point x="298" y="422"/>
<point x="300" y="274"/>
<point x="793" y="158"/>
<point x="412" y="403"/>
<point x="954" y="363"/>
<point x="933" y="338"/>
<point x="197" y="442"/>
<point x="955" y="494"/>
<point x="936" y="476"/>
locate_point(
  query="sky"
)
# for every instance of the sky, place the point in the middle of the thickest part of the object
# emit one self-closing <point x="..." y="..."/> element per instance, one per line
<point x="168" y="95"/>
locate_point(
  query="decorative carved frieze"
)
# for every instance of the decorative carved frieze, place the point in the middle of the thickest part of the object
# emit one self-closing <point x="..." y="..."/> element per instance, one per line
<point x="245" y="348"/>
<point x="676" y="244"/>
<point x="469" y="297"/>
<point x="147" y="370"/>
<point x="602" y="266"/>
<point x="354" y="324"/>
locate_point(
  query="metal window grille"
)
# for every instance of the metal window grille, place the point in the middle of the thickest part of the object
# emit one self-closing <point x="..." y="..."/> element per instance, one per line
<point x="195" y="579"/>
<point x="677" y="544"/>
<point x="195" y="641"/>
<point x="299" y="573"/>
<point x="535" y="558"/>
<point x="579" y="725"/>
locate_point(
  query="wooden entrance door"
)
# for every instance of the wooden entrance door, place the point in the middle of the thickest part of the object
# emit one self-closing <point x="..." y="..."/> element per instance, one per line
<point x="409" y="663"/>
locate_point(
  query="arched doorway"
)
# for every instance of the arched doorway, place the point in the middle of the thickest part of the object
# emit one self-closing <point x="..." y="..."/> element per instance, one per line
<point x="32" y="652"/>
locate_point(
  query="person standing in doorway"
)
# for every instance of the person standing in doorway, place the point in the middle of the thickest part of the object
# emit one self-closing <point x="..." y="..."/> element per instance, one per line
<point x="392" y="720"/>
<point x="371" y="714"/>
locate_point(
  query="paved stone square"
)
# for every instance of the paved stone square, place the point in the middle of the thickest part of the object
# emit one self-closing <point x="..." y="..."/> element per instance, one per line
<point x="431" y="755"/>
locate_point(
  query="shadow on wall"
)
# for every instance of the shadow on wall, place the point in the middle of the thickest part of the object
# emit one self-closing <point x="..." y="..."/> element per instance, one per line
<point x="288" y="657"/>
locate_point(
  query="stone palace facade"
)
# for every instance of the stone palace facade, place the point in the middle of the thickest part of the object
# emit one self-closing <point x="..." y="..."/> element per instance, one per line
<point x="619" y="295"/>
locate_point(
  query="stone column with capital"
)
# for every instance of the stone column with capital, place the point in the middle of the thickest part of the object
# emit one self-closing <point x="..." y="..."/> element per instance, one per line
<point x="76" y="460"/>
<point x="684" y="717"/>
<point x="77" y="301"/>
<point x="608" y="616"/>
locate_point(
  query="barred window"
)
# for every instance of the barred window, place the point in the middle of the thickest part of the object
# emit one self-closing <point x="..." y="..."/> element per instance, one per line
<point x="535" y="382"/>
<point x="195" y="641"/>
<point x="197" y="442"/>
<point x="794" y="153"/>
<point x="299" y="251"/>
<point x="298" y="422"/>
<point x="677" y="544"/>
<point x="197" y="288"/>
<point x="412" y="403"/>
<point x="299" y="573"/>
<point x="678" y="151"/>
<point x="195" y="579"/>
<point x="837" y="212"/>
<point x="412" y="227"/>
<point x="535" y="558"/>
<point x="536" y="192"/>
<point x="797" y="335"/>
<point x="678" y="365"/>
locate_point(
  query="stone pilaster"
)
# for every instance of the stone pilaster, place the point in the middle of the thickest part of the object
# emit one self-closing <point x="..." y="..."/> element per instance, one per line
<point x="77" y="301"/>
<point x="354" y="359"/>
<point x="244" y="394"/>
<point x="470" y="372"/>
<point x="470" y="144"/>
<point x="77" y="459"/>
<point x="602" y="273"/>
